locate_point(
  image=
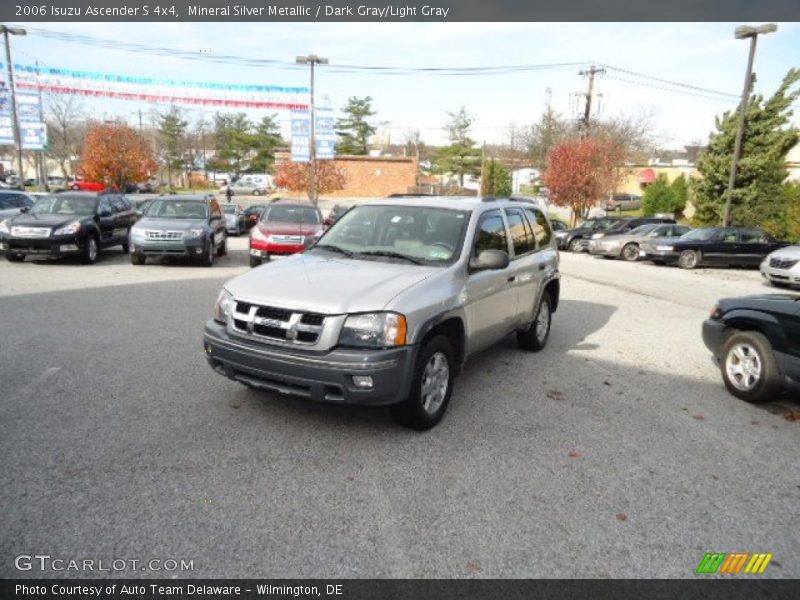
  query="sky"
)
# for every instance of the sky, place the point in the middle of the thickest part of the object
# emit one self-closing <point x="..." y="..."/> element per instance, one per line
<point x="704" y="55"/>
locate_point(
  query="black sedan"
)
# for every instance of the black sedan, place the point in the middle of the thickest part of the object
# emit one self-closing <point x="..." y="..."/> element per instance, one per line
<point x="717" y="246"/>
<point x="252" y="214"/>
<point x="72" y="223"/>
<point x="756" y="342"/>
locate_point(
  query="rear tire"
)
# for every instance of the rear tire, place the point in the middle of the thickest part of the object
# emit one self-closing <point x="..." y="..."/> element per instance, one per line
<point x="223" y="248"/>
<point x="748" y="367"/>
<point x="15" y="257"/>
<point x="255" y="262"/>
<point x="431" y="387"/>
<point x="535" y="337"/>
<point x="630" y="252"/>
<point x="575" y="246"/>
<point x="256" y="192"/>
<point x="138" y="259"/>
<point x="689" y="259"/>
<point x="126" y="245"/>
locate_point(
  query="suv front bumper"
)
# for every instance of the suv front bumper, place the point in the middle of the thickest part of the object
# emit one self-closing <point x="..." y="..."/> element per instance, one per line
<point x="322" y="377"/>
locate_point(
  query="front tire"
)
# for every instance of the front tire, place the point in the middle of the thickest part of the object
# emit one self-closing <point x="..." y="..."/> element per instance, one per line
<point x="255" y="262"/>
<point x="748" y="367"/>
<point x="91" y="250"/>
<point x="630" y="252"/>
<point x="223" y="248"/>
<point x="138" y="259"/>
<point x="256" y="192"/>
<point x="689" y="259"/>
<point x="534" y="338"/>
<point x="575" y="246"/>
<point x="431" y="387"/>
<point x="15" y="257"/>
<point x="208" y="259"/>
<point x="126" y="245"/>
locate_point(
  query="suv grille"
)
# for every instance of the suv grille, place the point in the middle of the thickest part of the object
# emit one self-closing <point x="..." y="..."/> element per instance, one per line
<point x="275" y="323"/>
<point x="171" y="236"/>
<point x="30" y="232"/>
<point x="777" y="263"/>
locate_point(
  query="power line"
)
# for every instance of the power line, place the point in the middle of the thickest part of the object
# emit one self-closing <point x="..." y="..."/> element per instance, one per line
<point x="670" y="82"/>
<point x="665" y="89"/>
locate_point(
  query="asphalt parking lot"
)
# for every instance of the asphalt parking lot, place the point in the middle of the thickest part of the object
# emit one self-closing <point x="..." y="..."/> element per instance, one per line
<point x="614" y="452"/>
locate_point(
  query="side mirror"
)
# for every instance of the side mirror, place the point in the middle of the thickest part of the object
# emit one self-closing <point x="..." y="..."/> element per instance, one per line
<point x="25" y="209"/>
<point x="489" y="259"/>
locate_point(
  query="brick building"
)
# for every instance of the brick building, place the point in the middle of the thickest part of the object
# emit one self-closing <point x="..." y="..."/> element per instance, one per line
<point x="372" y="176"/>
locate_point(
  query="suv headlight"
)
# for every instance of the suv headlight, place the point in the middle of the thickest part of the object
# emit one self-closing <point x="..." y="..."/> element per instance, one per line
<point x="374" y="330"/>
<point x="192" y="233"/>
<point x="4" y="228"/>
<point x="257" y="234"/>
<point x="223" y="306"/>
<point x="68" y="229"/>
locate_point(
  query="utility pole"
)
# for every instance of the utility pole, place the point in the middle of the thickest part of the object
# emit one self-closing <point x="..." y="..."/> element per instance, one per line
<point x="587" y="113"/>
<point x="741" y="33"/>
<point x="311" y="60"/>
<point x="43" y="182"/>
<point x="14" y="116"/>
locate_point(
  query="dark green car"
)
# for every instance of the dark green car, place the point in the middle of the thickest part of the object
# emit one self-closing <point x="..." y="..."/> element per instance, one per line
<point x="189" y="226"/>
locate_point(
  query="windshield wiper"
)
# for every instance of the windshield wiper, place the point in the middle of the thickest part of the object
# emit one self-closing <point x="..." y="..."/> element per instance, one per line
<point x="333" y="248"/>
<point x="390" y="254"/>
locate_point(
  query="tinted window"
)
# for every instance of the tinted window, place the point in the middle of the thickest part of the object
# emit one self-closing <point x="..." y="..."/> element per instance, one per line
<point x="680" y="230"/>
<point x="541" y="228"/>
<point x="64" y="204"/>
<point x="287" y="213"/>
<point x="491" y="233"/>
<point x="702" y="235"/>
<point x="118" y="204"/>
<point x="753" y="236"/>
<point x="8" y="202"/>
<point x="178" y="209"/>
<point x="521" y="236"/>
<point x="729" y="236"/>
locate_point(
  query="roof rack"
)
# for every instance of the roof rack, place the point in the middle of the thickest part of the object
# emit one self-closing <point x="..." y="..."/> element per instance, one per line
<point x="509" y="198"/>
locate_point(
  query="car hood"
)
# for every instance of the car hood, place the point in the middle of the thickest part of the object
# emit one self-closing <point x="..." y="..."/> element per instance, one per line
<point x="170" y="224"/>
<point x="45" y="220"/>
<point x="789" y="252"/>
<point x="772" y="303"/>
<point x="274" y="227"/>
<point x="318" y="282"/>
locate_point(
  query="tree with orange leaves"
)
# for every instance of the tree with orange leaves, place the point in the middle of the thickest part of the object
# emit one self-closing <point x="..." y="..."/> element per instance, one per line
<point x="296" y="176"/>
<point x="581" y="172"/>
<point x="116" y="155"/>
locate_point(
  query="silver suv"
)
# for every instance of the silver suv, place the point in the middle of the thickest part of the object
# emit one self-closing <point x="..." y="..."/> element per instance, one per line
<point x="386" y="306"/>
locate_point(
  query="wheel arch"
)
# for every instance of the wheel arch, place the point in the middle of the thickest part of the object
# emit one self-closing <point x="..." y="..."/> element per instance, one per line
<point x="452" y="327"/>
<point x="750" y="320"/>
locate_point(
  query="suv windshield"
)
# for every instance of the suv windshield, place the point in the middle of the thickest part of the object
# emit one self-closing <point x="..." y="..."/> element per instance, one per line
<point x="178" y="209"/>
<point x="64" y="205"/>
<point x="287" y="213"/>
<point x="424" y="234"/>
<point x="700" y="234"/>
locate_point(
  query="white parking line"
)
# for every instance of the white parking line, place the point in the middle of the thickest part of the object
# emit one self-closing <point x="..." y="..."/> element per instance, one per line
<point x="44" y="376"/>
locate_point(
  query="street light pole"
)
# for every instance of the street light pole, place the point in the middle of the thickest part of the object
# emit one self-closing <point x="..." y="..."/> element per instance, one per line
<point x="14" y="116"/>
<point x="311" y="60"/>
<point x="741" y="33"/>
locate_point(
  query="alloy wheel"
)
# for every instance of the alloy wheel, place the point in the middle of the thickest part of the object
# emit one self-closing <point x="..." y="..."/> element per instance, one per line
<point x="435" y="381"/>
<point x="743" y="366"/>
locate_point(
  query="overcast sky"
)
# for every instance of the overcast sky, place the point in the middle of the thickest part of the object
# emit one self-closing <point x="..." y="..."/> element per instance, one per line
<point x="699" y="54"/>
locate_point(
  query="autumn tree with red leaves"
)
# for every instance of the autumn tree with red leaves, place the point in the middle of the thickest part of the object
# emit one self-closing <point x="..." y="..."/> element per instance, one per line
<point x="581" y="172"/>
<point x="296" y="177"/>
<point x="116" y="155"/>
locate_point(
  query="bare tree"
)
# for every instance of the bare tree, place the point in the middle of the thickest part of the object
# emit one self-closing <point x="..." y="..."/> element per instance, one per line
<point x="66" y="129"/>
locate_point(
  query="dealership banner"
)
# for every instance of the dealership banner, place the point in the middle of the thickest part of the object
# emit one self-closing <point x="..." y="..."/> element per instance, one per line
<point x="33" y="132"/>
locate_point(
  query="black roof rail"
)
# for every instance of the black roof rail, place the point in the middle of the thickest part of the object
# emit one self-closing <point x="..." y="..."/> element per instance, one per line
<point x="402" y="195"/>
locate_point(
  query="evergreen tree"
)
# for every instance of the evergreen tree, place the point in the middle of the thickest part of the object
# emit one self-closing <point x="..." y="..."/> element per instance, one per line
<point x="680" y="193"/>
<point x="460" y="158"/>
<point x="353" y="130"/>
<point x="659" y="197"/>
<point x="233" y="140"/>
<point x="265" y="140"/>
<point x="758" y="195"/>
<point x="172" y="141"/>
